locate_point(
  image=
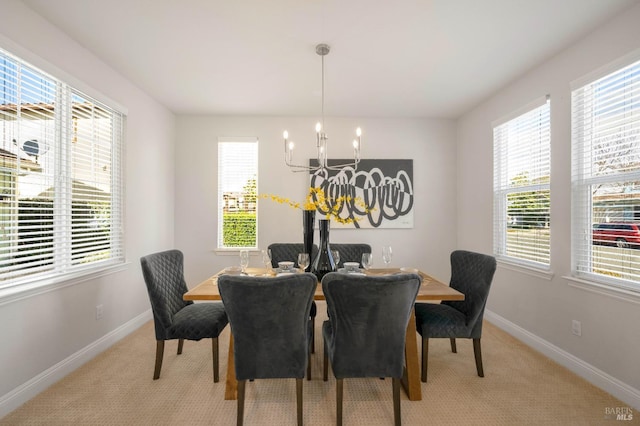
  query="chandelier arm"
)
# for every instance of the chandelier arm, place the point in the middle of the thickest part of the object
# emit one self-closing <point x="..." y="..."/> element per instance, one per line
<point x="353" y="164"/>
<point x="301" y="167"/>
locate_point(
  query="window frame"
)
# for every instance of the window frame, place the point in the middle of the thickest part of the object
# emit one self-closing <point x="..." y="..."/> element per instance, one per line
<point x="70" y="272"/>
<point x="221" y="204"/>
<point x="503" y="185"/>
<point x="583" y="178"/>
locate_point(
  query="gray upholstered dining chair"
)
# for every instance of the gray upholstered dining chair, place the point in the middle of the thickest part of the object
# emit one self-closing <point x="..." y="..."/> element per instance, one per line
<point x="366" y="331"/>
<point x="174" y="318"/>
<point x="350" y="252"/>
<point x="270" y="325"/>
<point x="471" y="274"/>
<point x="289" y="251"/>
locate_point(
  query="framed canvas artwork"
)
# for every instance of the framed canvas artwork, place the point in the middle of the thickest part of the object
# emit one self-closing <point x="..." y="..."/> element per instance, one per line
<point x="378" y="194"/>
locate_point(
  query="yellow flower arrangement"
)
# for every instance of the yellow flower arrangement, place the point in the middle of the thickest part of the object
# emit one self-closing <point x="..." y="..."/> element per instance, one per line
<point x="316" y="199"/>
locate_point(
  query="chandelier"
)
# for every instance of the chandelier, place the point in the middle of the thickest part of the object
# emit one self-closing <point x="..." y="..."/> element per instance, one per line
<point x="321" y="137"/>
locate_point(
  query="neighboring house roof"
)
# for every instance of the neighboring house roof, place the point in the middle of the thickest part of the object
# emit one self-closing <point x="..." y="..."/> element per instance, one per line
<point x="8" y="160"/>
<point x="80" y="192"/>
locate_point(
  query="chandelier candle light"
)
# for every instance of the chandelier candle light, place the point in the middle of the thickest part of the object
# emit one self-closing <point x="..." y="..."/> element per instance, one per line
<point x="321" y="137"/>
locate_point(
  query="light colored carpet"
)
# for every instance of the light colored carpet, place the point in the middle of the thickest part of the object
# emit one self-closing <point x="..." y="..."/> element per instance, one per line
<point x="520" y="387"/>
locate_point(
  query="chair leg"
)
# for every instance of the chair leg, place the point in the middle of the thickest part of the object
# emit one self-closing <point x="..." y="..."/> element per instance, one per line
<point x="299" y="400"/>
<point x="216" y="359"/>
<point x="313" y="335"/>
<point x="396" y="402"/>
<point x="309" y="366"/>
<point x="325" y="365"/>
<point x="339" y="390"/>
<point x="240" y="415"/>
<point x="453" y="346"/>
<point x="180" y="344"/>
<point x="425" y="356"/>
<point x="159" y="354"/>
<point x="478" y="353"/>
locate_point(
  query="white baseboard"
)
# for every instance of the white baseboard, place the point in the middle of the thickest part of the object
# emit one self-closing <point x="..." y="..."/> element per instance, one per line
<point x="597" y="377"/>
<point x="42" y="381"/>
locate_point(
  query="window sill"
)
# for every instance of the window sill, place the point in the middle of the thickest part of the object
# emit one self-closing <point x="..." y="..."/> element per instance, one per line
<point x="34" y="288"/>
<point x="525" y="269"/>
<point x="233" y="251"/>
<point x="610" y="290"/>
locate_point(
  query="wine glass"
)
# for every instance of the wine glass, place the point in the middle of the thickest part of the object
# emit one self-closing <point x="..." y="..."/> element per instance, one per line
<point x="266" y="260"/>
<point x="303" y="261"/>
<point x="387" y="254"/>
<point x="367" y="260"/>
<point x="244" y="260"/>
<point x="336" y="256"/>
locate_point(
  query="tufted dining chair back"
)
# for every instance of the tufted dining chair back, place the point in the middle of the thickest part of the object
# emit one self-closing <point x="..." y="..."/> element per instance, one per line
<point x="269" y="319"/>
<point x="288" y="251"/>
<point x="366" y="331"/>
<point x="471" y="274"/>
<point x="350" y="252"/>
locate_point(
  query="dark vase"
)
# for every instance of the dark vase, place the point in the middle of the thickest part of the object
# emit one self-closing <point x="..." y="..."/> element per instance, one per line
<point x="308" y="219"/>
<point x="323" y="262"/>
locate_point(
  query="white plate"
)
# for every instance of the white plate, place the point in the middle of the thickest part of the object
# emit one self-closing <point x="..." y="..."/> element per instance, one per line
<point x="356" y="272"/>
<point x="232" y="270"/>
<point x="286" y="271"/>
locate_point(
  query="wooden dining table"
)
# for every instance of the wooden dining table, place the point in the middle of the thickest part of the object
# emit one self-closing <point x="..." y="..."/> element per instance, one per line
<point x="430" y="290"/>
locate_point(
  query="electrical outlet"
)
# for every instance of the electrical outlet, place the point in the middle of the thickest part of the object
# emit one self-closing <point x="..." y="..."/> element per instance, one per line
<point x="99" y="311"/>
<point x="576" y="327"/>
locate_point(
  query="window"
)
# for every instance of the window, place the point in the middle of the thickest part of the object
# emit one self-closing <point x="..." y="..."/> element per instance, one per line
<point x="60" y="180"/>
<point x="521" y="191"/>
<point x="606" y="178"/>
<point x="237" y="192"/>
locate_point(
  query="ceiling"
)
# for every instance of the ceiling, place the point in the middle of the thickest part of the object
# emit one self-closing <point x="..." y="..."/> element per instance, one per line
<point x="402" y="58"/>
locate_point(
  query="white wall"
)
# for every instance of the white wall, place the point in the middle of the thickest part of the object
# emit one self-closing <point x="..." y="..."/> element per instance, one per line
<point x="430" y="143"/>
<point x="42" y="331"/>
<point x="610" y="342"/>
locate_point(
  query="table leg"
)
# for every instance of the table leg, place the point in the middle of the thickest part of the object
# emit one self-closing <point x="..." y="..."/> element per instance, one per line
<point x="231" y="386"/>
<point x="411" y="376"/>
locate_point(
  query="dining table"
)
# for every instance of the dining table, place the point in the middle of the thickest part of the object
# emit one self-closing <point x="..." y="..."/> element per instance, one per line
<point x="431" y="290"/>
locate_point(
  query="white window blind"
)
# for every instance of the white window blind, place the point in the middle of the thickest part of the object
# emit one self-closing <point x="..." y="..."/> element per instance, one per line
<point x="521" y="161"/>
<point x="60" y="178"/>
<point x="237" y="192"/>
<point x="606" y="178"/>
